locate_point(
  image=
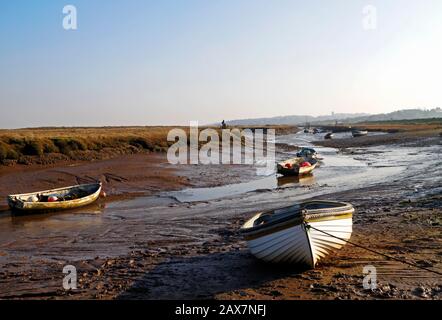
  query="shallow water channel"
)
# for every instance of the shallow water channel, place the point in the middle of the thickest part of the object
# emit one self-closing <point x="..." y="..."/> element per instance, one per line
<point x="337" y="171"/>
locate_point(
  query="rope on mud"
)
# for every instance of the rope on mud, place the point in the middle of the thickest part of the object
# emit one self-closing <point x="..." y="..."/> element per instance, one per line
<point x="377" y="252"/>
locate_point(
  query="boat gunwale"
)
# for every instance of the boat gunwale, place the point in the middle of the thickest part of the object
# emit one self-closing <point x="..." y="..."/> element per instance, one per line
<point x="255" y="234"/>
<point x="54" y="190"/>
<point x="298" y="217"/>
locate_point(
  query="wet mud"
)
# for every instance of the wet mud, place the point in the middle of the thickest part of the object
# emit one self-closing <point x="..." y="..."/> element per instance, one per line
<point x="177" y="238"/>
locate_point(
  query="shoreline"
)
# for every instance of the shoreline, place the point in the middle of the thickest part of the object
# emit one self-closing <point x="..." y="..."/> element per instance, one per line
<point x="425" y="137"/>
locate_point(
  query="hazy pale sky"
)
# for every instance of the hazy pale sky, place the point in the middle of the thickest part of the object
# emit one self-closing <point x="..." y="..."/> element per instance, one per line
<point x="140" y="62"/>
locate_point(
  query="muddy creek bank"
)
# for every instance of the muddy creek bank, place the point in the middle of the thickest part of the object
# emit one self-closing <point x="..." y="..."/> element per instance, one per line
<point x="157" y="246"/>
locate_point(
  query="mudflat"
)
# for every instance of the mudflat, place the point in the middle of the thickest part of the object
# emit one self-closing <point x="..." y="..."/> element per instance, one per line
<point x="121" y="176"/>
<point x="151" y="245"/>
<point x="426" y="137"/>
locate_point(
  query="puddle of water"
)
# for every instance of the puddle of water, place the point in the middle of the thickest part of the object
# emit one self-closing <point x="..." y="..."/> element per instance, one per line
<point x="206" y="194"/>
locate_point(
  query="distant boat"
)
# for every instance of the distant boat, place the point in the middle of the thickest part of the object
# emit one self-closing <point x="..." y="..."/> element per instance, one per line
<point x="359" y="133"/>
<point x="307" y="153"/>
<point x="296" y="235"/>
<point x="296" y="166"/>
<point x="316" y="130"/>
<point x="329" y="135"/>
<point x="307" y="130"/>
<point x="56" y="199"/>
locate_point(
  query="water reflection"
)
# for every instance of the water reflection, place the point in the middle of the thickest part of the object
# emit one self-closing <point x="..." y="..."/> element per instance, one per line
<point x="293" y="181"/>
<point x="22" y="218"/>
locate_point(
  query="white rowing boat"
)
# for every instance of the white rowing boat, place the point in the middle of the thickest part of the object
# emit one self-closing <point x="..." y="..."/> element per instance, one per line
<point x="359" y="133"/>
<point x="300" y="234"/>
<point x="66" y="198"/>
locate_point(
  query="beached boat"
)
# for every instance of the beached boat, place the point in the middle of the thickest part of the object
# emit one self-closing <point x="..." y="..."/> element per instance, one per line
<point x="296" y="166"/>
<point x="56" y="199"/>
<point x="300" y="234"/>
<point x="359" y="133"/>
<point x="329" y="135"/>
<point x="307" y="153"/>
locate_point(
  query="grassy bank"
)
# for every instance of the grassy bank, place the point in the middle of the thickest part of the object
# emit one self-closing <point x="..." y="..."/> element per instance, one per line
<point x="404" y="125"/>
<point x="50" y="145"/>
<point x="393" y="126"/>
<point x="401" y="131"/>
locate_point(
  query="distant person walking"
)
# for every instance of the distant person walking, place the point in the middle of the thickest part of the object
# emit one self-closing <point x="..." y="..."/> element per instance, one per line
<point x="223" y="125"/>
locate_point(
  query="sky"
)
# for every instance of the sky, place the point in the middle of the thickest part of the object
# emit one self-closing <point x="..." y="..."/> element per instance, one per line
<point x="143" y="62"/>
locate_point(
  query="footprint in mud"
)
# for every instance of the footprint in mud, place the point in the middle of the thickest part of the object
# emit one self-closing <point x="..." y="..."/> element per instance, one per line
<point x="78" y="179"/>
<point x="110" y="176"/>
<point x="86" y="179"/>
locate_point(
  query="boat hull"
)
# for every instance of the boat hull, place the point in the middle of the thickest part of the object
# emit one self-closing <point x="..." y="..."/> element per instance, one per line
<point x="17" y="203"/>
<point x="359" y="133"/>
<point x="290" y="245"/>
<point x="302" y="240"/>
<point x="296" y="171"/>
<point x="322" y="243"/>
<point x="329" y="136"/>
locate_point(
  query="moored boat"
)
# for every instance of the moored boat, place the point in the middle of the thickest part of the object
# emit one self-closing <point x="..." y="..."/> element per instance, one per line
<point x="300" y="234"/>
<point x="359" y="133"/>
<point x="56" y="199"/>
<point x="329" y="135"/>
<point x="307" y="153"/>
<point x="296" y="166"/>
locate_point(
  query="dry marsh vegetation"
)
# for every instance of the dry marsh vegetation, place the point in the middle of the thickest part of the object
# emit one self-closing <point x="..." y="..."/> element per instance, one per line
<point x="400" y="131"/>
<point x="393" y="126"/>
<point x="50" y="145"/>
<point x="405" y="125"/>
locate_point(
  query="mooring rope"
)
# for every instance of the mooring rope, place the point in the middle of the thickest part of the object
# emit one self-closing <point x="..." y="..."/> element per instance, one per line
<point x="376" y="252"/>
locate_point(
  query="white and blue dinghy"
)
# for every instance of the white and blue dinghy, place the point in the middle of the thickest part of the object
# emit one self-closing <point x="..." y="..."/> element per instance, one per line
<point x="299" y="234"/>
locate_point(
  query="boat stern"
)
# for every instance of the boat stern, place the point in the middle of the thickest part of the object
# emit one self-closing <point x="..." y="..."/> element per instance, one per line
<point x="14" y="203"/>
